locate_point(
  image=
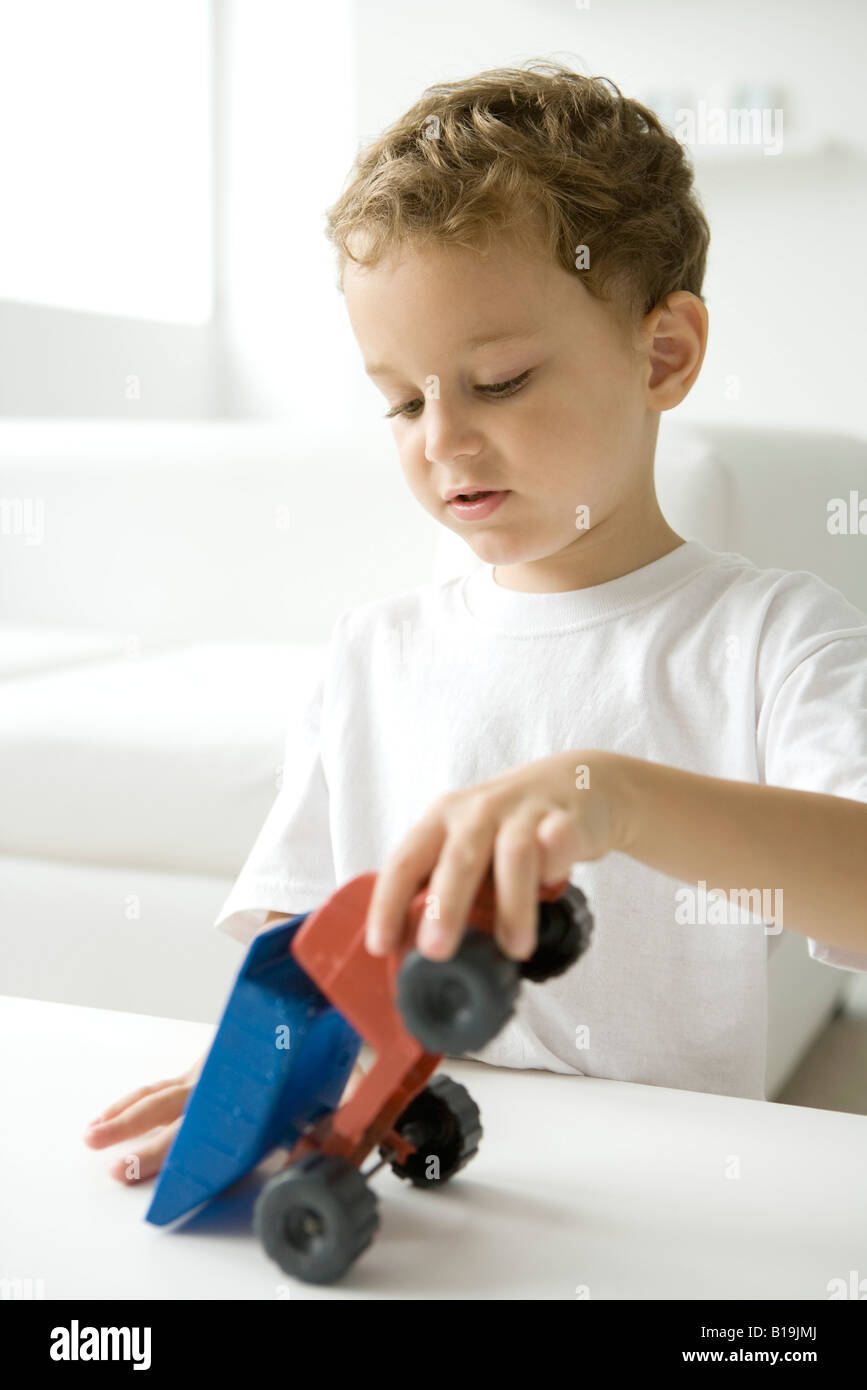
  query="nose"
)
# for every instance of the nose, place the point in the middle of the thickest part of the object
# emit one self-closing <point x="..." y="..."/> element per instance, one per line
<point x="449" y="436"/>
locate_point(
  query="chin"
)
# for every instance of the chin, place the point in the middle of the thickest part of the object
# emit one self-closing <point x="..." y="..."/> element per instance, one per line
<point x="501" y="549"/>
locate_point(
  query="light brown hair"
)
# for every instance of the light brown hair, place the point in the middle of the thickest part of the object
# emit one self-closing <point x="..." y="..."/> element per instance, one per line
<point x="536" y="151"/>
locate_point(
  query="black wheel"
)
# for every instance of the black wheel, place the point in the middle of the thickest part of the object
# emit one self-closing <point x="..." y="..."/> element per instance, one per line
<point x="458" y="1005"/>
<point x="565" y="928"/>
<point x="443" y="1121"/>
<point x="316" y="1217"/>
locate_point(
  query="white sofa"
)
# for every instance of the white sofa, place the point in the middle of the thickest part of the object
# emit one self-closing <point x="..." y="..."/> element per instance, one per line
<point x="166" y="591"/>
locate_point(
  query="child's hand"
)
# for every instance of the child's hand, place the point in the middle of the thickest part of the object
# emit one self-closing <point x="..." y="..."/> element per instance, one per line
<point x="532" y="822"/>
<point x="356" y="1076"/>
<point x="159" y="1108"/>
<point x="161" y="1104"/>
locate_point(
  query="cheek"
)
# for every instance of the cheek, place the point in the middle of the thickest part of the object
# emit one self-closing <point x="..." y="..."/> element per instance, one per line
<point x="585" y="436"/>
<point x="555" y="444"/>
<point x="415" y="470"/>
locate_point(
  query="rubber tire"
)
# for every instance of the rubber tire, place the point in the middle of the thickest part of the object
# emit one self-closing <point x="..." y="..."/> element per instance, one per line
<point x="564" y="931"/>
<point x="444" y="1121"/>
<point x="336" y="1195"/>
<point x="458" y="1005"/>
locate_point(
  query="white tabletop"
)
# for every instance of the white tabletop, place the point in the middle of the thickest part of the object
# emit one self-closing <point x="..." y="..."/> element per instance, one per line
<point x="581" y="1188"/>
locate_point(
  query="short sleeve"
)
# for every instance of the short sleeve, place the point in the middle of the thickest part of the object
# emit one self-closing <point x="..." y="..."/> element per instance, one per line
<point x="290" y="867"/>
<point x="813" y="736"/>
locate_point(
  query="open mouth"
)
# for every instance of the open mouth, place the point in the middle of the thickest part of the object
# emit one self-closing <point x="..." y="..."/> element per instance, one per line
<point x="477" y="506"/>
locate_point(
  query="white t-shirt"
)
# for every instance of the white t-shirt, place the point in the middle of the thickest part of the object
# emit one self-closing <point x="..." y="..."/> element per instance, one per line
<point x="699" y="660"/>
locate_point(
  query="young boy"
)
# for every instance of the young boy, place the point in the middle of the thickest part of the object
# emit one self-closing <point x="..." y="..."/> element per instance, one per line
<point x="522" y="258"/>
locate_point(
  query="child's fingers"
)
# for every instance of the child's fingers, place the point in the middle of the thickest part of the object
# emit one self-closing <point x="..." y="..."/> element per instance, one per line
<point x="454" y="884"/>
<point x="153" y="1109"/>
<point x="147" y="1158"/>
<point x="516" y="876"/>
<point x="356" y="1076"/>
<point x="397" y="883"/>
<point x="119" y="1105"/>
<point x="558" y="836"/>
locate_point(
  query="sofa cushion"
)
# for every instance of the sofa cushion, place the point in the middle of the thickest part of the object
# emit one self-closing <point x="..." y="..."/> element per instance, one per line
<point x="192" y="531"/>
<point x="168" y="761"/>
<point x="24" y="649"/>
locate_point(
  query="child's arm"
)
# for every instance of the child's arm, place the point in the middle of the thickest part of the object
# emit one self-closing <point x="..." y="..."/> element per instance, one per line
<point x="808" y="847"/>
<point x="535" y="821"/>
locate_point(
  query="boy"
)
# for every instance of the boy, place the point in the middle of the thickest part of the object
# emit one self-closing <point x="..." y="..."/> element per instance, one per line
<point x="522" y="258"/>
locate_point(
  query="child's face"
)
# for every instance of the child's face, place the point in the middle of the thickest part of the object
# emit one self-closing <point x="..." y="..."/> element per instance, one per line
<point x="574" y="432"/>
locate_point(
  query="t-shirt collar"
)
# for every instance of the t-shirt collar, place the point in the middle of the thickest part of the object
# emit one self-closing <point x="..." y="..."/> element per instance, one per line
<point x="512" y="610"/>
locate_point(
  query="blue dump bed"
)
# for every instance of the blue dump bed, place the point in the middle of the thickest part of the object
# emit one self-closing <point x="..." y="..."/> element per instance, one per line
<point x="281" y="1058"/>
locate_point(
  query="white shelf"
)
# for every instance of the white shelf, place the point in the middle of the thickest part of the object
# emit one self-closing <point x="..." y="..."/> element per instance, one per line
<point x="795" y="147"/>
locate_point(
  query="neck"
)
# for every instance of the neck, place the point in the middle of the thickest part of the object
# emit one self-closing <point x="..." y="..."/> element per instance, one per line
<point x="603" y="553"/>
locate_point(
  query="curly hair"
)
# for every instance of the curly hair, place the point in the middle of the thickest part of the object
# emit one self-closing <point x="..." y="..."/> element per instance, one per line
<point x="536" y="151"/>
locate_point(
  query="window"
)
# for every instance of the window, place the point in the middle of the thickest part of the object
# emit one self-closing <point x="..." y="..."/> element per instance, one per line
<point x="105" y="156"/>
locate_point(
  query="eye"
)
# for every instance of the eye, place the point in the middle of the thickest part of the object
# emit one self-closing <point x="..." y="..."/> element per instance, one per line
<point x="497" y="390"/>
<point x="505" y="388"/>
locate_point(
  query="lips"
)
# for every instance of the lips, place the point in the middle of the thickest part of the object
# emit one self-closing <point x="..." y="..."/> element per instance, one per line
<point x="476" y="505"/>
<point x="468" y="490"/>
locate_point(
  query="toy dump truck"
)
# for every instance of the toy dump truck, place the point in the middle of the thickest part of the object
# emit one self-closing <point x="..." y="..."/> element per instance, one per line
<point x="307" y="995"/>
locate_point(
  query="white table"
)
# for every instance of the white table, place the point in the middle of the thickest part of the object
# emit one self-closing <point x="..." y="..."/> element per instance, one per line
<point x="617" y="1188"/>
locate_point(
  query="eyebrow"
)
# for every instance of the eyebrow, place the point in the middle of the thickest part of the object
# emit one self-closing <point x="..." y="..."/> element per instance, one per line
<point x="485" y="340"/>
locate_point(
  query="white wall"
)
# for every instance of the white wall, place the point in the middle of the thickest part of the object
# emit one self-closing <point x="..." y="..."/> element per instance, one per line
<point x="62" y="363"/>
<point x="286" y="138"/>
<point x="105" y="188"/>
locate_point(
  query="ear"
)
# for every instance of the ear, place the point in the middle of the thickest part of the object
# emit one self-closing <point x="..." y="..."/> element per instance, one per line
<point x="675" y="336"/>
